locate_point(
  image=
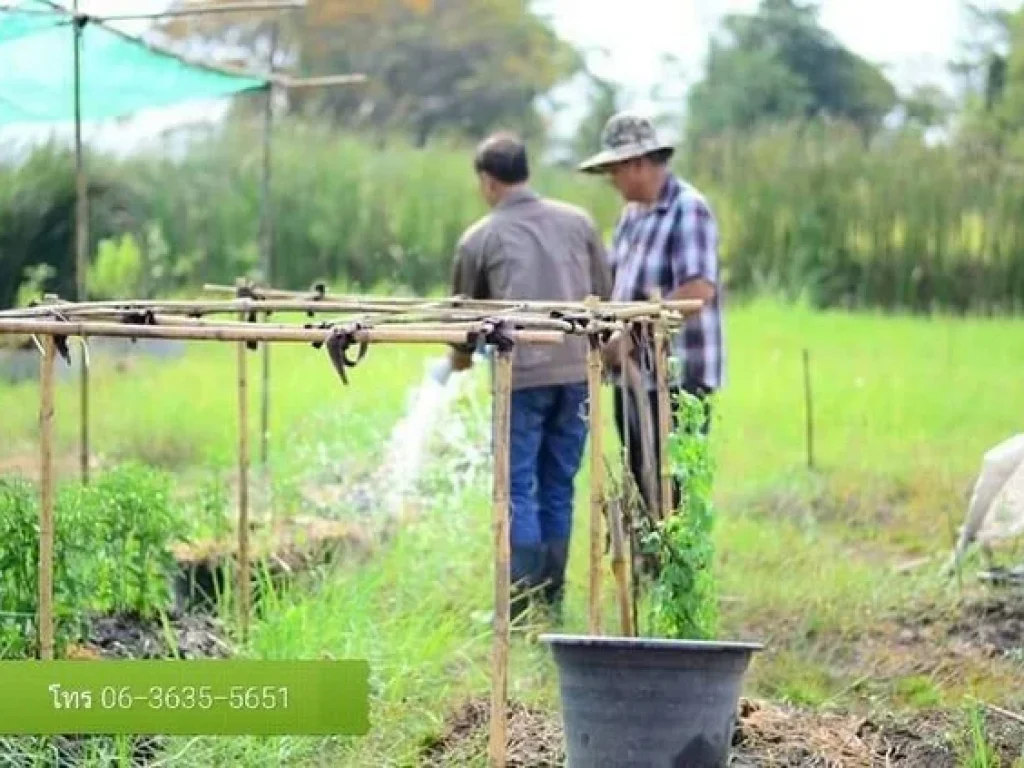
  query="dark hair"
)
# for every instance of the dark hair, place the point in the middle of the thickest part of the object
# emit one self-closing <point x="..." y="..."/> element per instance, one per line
<point x="662" y="157"/>
<point x="503" y="156"/>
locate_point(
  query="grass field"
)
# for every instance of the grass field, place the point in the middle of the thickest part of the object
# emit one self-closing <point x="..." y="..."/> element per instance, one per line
<point x="809" y="562"/>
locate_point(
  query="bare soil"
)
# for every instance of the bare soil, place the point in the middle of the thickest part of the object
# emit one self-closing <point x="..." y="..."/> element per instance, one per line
<point x="534" y="738"/>
<point x="767" y="736"/>
<point x="127" y="636"/>
<point x="773" y="736"/>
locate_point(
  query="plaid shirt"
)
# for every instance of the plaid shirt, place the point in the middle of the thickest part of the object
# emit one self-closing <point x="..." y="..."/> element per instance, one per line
<point x="664" y="246"/>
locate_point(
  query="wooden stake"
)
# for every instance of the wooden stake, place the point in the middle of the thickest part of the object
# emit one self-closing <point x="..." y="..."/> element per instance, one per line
<point x="664" y="413"/>
<point x="46" y="502"/>
<point x="619" y="569"/>
<point x="502" y="547"/>
<point x="649" y="476"/>
<point x="244" y="585"/>
<point x="266" y="246"/>
<point x="596" y="479"/>
<point x="81" y="244"/>
<point x="627" y="476"/>
<point x="808" y="409"/>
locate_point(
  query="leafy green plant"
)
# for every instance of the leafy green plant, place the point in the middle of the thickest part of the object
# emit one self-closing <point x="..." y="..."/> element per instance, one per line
<point x="118" y="268"/>
<point x="137" y="524"/>
<point x="683" y="598"/>
<point x="19" y="568"/>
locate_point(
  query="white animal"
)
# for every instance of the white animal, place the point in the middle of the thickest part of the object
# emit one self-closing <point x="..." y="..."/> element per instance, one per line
<point x="996" y="511"/>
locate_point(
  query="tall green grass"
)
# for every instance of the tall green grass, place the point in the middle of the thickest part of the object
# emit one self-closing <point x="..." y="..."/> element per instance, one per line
<point x="805" y="211"/>
<point x="815" y="210"/>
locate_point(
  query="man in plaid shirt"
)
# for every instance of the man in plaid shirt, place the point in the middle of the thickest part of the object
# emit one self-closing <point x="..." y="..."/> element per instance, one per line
<point x="666" y="238"/>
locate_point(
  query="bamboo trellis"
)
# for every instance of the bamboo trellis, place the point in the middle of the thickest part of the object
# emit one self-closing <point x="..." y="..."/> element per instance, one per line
<point x="366" y="321"/>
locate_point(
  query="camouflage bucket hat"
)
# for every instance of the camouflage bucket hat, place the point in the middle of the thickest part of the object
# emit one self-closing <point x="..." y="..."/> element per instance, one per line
<point x="625" y="136"/>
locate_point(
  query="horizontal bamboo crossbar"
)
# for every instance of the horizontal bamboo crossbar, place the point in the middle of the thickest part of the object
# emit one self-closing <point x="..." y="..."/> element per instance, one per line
<point x="440" y="318"/>
<point x="635" y="308"/>
<point x="262" y="332"/>
<point x="573" y="321"/>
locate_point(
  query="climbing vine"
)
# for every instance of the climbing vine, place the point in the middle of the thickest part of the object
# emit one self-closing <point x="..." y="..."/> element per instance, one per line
<point x="683" y="597"/>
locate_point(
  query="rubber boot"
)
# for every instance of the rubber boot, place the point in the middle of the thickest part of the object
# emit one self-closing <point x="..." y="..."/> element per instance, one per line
<point x="526" y="573"/>
<point x="554" y="577"/>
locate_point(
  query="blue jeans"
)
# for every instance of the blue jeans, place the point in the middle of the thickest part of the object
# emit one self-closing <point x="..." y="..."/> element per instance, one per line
<point x="548" y="433"/>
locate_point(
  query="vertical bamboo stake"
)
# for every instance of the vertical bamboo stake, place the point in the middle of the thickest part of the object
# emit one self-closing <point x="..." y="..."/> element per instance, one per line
<point x="627" y="473"/>
<point x="619" y="569"/>
<point x="664" y="412"/>
<point x="46" y="502"/>
<point x="81" y="240"/>
<point x="596" y="478"/>
<point x="243" y="492"/>
<point x="266" y="243"/>
<point x="809" y="410"/>
<point x="502" y="545"/>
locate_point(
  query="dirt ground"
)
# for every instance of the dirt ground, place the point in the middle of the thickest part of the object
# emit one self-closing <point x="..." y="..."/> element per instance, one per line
<point x="132" y="637"/>
<point x="982" y="637"/>
<point x="767" y="736"/>
<point x="534" y="737"/>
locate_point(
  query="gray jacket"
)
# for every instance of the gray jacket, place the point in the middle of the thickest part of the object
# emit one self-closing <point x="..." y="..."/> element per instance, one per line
<point x="533" y="249"/>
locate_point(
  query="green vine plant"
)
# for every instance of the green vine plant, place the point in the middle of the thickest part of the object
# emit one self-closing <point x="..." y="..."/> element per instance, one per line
<point x="683" y="597"/>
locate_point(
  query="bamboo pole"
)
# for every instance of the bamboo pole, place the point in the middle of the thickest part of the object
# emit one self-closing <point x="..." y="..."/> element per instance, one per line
<point x="266" y="245"/>
<point x="206" y="10"/>
<point x="664" y="415"/>
<point x="627" y="474"/>
<point x="641" y="308"/>
<point x="808" y="409"/>
<point x="322" y="81"/>
<point x="419" y="320"/>
<point x="81" y="242"/>
<point x="648" y="479"/>
<point x="366" y="313"/>
<point x="502" y="547"/>
<point x="244" y="584"/>
<point x="439" y="335"/>
<point x="46" y="502"/>
<point x="596" y="480"/>
<point x="619" y="570"/>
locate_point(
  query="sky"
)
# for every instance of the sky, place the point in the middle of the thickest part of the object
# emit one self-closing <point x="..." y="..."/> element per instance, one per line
<point x="912" y="39"/>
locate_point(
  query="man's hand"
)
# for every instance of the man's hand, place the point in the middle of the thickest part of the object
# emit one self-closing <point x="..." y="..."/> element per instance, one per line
<point x="699" y="289"/>
<point x="461" y="361"/>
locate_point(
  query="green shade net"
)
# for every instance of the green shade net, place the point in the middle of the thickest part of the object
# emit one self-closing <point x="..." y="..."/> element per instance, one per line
<point x="119" y="74"/>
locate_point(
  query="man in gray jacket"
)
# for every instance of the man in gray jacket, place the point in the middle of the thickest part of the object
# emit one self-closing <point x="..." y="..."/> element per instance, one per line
<point x="532" y="248"/>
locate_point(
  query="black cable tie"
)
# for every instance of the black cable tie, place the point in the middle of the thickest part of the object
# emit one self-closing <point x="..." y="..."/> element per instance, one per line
<point x="322" y="326"/>
<point x="319" y="290"/>
<point x="61" y="342"/>
<point x="495" y="335"/>
<point x="244" y="292"/>
<point x="338" y="342"/>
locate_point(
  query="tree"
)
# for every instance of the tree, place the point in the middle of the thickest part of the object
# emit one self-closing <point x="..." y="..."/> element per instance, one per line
<point x="605" y="101"/>
<point x="927" y="106"/>
<point x="432" y="65"/>
<point x="779" y="63"/>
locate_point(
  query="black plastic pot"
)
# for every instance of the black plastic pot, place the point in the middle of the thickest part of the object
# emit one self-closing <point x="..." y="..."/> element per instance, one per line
<point x="648" y="702"/>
